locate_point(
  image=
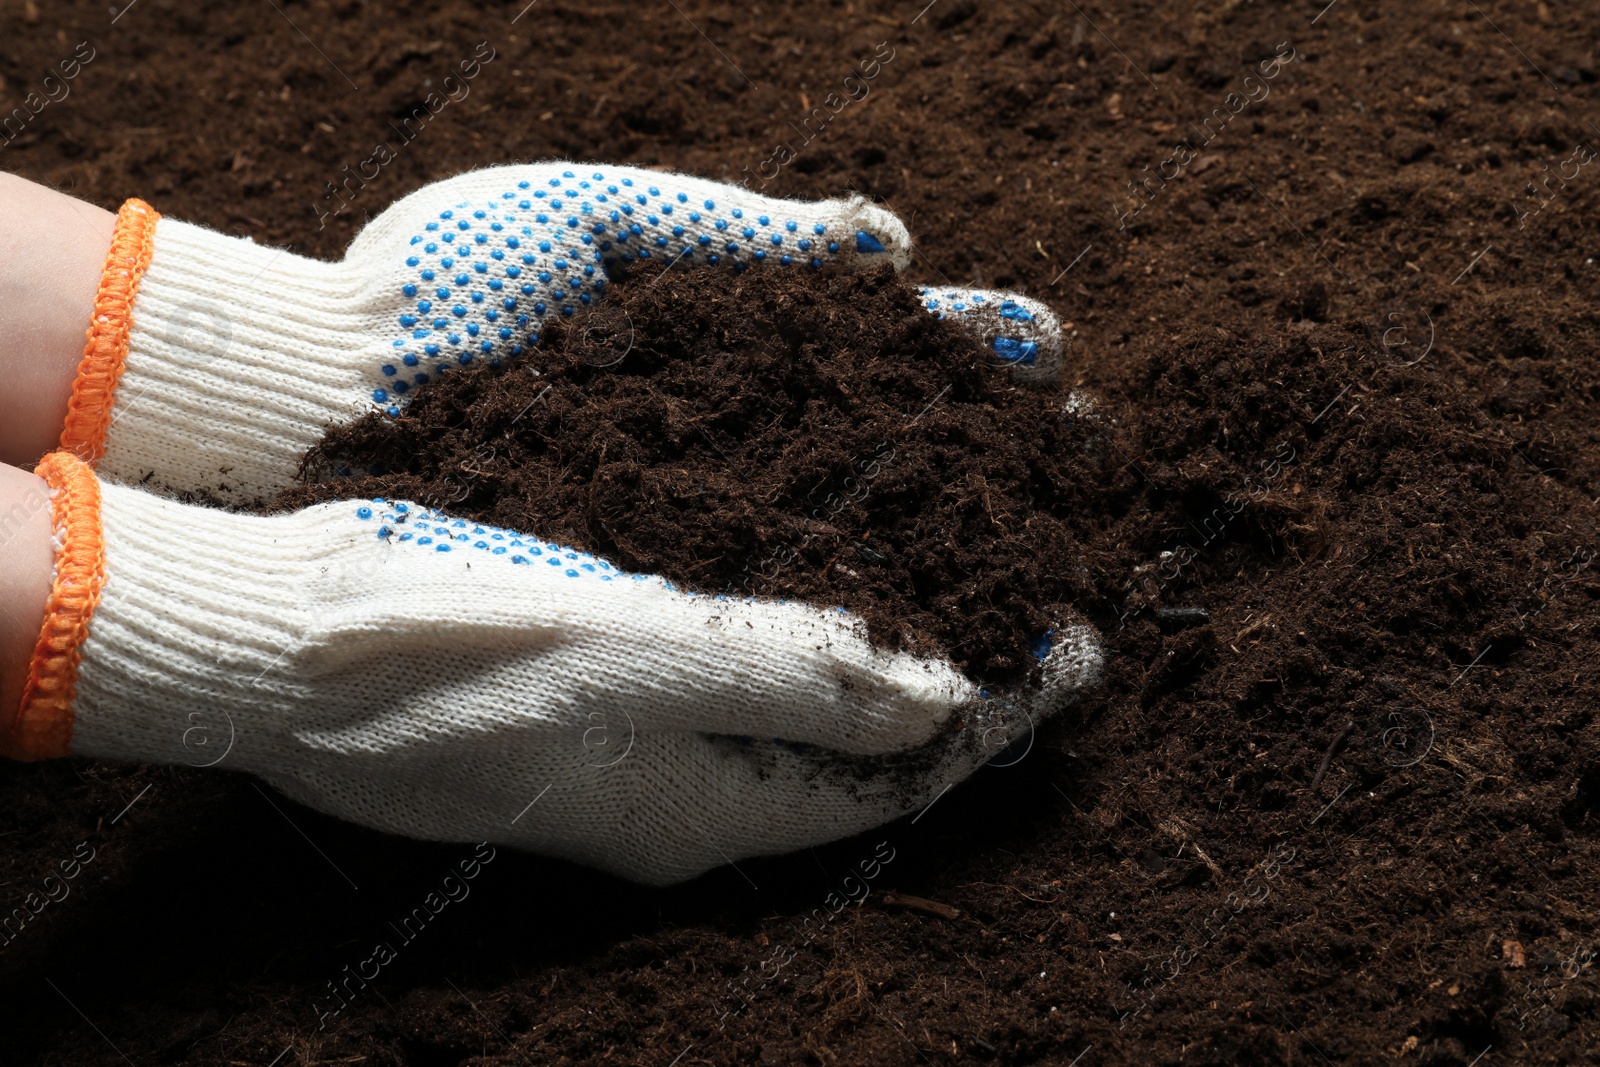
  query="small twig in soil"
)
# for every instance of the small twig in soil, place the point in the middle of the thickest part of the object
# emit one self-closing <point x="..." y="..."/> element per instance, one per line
<point x="1327" y="757"/>
<point x="922" y="904"/>
<point x="1175" y="829"/>
<point x="1259" y="624"/>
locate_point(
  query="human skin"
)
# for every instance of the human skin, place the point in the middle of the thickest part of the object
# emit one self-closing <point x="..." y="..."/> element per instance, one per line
<point x="52" y="249"/>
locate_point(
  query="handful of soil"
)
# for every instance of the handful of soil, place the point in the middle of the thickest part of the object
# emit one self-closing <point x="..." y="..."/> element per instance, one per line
<point x="812" y="436"/>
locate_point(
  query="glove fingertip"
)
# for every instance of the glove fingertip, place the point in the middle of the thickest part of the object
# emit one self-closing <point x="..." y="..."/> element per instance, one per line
<point x="880" y="236"/>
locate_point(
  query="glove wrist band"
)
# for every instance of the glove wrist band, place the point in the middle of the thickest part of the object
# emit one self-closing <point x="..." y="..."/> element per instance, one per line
<point x="106" y="347"/>
<point x="231" y="363"/>
<point x="43" y="728"/>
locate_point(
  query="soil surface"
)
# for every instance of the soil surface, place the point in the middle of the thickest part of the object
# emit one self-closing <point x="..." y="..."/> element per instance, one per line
<point x="775" y="433"/>
<point x="1344" y="813"/>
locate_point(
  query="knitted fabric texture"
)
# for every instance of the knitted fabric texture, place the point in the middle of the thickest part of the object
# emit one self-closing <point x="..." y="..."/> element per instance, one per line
<point x="450" y="681"/>
<point x="240" y="356"/>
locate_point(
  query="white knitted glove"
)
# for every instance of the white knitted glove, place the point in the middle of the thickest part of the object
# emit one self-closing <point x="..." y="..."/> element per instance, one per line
<point x="213" y="363"/>
<point x="442" y="680"/>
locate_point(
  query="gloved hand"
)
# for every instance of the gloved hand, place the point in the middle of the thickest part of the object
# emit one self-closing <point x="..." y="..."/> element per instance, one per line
<point x="433" y="677"/>
<point x="444" y="680"/>
<point x="215" y="363"/>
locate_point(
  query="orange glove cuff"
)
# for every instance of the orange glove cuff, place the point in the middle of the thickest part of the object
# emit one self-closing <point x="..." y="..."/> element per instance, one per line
<point x="89" y="410"/>
<point x="43" y="729"/>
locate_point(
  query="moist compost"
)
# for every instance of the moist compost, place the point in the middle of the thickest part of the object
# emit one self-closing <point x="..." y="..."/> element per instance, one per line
<point x="1338" y="800"/>
<point x="807" y="435"/>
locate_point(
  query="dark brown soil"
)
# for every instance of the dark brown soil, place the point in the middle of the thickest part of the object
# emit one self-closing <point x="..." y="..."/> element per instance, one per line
<point x="778" y="434"/>
<point x="1349" y="817"/>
